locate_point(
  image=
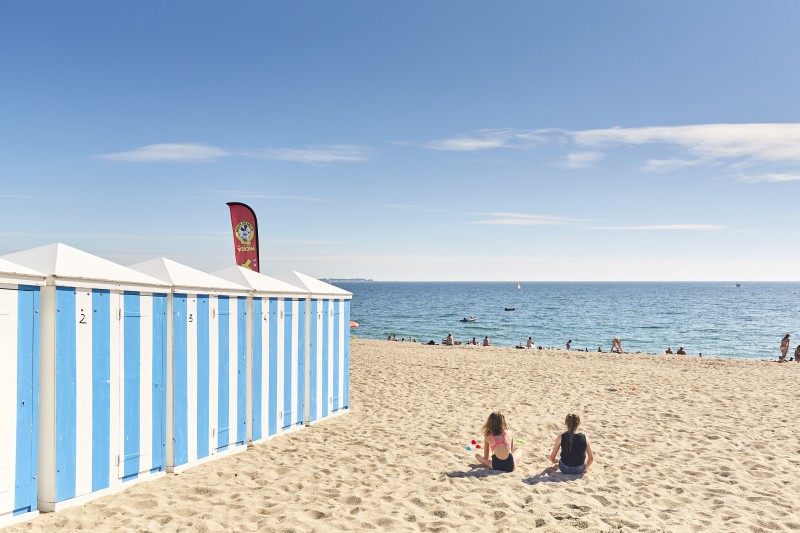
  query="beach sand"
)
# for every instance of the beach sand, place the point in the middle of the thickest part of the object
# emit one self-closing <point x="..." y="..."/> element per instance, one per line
<point x="702" y="445"/>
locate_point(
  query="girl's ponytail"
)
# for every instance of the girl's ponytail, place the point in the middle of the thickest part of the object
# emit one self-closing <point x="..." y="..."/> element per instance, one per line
<point x="573" y="421"/>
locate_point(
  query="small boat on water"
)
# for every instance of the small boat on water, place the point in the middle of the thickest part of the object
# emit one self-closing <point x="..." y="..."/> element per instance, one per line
<point x="510" y="308"/>
<point x="469" y="319"/>
<point x="738" y="284"/>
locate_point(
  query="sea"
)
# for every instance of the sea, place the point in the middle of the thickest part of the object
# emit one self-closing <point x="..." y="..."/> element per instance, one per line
<point x="713" y="319"/>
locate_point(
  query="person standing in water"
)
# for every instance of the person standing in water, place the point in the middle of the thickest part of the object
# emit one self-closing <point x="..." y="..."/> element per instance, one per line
<point x="569" y="343"/>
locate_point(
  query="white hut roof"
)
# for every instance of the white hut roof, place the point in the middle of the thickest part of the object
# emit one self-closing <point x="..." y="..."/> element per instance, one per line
<point x="65" y="262"/>
<point x="258" y="282"/>
<point x="185" y="277"/>
<point x="313" y="285"/>
<point x="13" y="272"/>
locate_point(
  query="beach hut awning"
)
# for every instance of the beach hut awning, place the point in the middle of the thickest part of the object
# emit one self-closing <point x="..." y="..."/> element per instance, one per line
<point x="14" y="273"/>
<point x="259" y="283"/>
<point x="183" y="277"/>
<point x="313" y="285"/>
<point x="71" y="267"/>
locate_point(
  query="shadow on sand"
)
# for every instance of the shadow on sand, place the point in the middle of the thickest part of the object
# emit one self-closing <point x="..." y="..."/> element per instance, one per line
<point x="551" y="475"/>
<point x="477" y="471"/>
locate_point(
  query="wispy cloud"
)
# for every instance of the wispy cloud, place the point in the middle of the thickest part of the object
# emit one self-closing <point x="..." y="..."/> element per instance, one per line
<point x="167" y="153"/>
<point x="582" y="159"/>
<point x="668" y="165"/>
<point x="331" y="153"/>
<point x="487" y="139"/>
<point x="522" y="219"/>
<point x="771" y="178"/>
<point x="290" y="241"/>
<point x="411" y="207"/>
<point x="270" y="196"/>
<point x="665" y="227"/>
<point x="767" y="142"/>
<point x="731" y="146"/>
<point x="470" y="143"/>
<point x="160" y="236"/>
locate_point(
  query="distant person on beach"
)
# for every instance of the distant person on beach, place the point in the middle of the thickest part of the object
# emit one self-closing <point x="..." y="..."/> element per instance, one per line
<point x="389" y="338"/>
<point x="576" y="452"/>
<point x="569" y="342"/>
<point x="797" y="354"/>
<point x="474" y="341"/>
<point x="668" y="350"/>
<point x="486" y="341"/>
<point x="616" y="345"/>
<point x="681" y="351"/>
<point x="449" y="340"/>
<point x="599" y="349"/>
<point x="500" y="442"/>
<point x="784" y="348"/>
<point x="529" y="344"/>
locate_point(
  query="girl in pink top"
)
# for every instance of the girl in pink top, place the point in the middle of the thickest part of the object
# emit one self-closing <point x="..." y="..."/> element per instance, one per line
<point x="500" y="442"/>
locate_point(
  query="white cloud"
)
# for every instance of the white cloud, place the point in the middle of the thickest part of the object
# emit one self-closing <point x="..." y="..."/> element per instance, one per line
<point x="167" y="153"/>
<point x="469" y="144"/>
<point x="665" y="227"/>
<point x="283" y="197"/>
<point x="487" y="139"/>
<point x="331" y="153"/>
<point x="582" y="159"/>
<point x="667" y="165"/>
<point x="522" y="219"/>
<point x="412" y="207"/>
<point x="771" y="178"/>
<point x="767" y="142"/>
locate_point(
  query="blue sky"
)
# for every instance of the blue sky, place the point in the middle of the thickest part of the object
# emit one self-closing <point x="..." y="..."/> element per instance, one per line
<point x="409" y="140"/>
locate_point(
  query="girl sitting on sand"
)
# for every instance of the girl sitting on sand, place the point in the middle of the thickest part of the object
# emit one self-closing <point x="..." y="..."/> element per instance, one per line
<point x="576" y="452"/>
<point x="500" y="442"/>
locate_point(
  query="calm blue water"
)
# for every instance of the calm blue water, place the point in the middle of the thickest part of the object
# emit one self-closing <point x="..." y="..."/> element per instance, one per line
<point x="715" y="319"/>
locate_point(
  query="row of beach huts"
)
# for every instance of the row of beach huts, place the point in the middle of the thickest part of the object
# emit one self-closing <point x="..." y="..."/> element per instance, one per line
<point x="111" y="375"/>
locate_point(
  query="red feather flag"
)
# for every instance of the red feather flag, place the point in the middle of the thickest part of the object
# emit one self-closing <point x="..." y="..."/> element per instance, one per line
<point x="245" y="235"/>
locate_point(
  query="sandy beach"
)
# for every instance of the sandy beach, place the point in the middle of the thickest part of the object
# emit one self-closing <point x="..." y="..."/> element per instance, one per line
<point x="702" y="444"/>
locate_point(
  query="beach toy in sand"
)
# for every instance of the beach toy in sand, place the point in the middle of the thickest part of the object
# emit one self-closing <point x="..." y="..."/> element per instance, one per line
<point x="474" y="441"/>
<point x="634" y="388"/>
<point x="469" y="448"/>
<point x="520" y="441"/>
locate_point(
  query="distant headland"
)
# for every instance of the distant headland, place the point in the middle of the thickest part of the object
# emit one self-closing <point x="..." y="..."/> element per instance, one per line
<point x="332" y="280"/>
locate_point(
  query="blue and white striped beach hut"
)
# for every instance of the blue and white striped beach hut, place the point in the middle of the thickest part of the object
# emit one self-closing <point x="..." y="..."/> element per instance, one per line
<point x="328" y="346"/>
<point x="277" y="359"/>
<point x="19" y="391"/>
<point x="207" y="374"/>
<point x="102" y="369"/>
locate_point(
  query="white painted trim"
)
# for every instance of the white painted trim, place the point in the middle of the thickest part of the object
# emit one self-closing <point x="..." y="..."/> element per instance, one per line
<point x="47" y="394"/>
<point x="169" y="399"/>
<point x="340" y="412"/>
<point x="232" y="450"/>
<point x="10" y="520"/>
<point x="50" y="507"/>
<point x="248" y="366"/>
